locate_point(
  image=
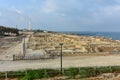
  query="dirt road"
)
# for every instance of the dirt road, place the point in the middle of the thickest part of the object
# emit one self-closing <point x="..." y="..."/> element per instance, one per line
<point x="76" y="61"/>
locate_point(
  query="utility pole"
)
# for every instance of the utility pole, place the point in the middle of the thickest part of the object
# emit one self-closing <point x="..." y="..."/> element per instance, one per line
<point x="61" y="44"/>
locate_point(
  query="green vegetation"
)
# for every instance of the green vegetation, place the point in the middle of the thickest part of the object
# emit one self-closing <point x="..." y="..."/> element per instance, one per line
<point x="71" y="72"/>
<point x="38" y="30"/>
<point x="8" y="30"/>
<point x="84" y="72"/>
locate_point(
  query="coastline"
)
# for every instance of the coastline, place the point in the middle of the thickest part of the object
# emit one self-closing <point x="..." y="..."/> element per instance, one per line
<point x="112" y="35"/>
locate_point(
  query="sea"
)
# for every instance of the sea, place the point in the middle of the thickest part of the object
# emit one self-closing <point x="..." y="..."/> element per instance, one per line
<point x="112" y="35"/>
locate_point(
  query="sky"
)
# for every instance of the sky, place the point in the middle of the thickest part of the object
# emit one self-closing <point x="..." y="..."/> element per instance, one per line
<point x="61" y="15"/>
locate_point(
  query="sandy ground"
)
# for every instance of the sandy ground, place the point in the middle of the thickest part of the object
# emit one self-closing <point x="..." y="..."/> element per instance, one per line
<point x="15" y="48"/>
<point x="76" y="61"/>
<point x="8" y="54"/>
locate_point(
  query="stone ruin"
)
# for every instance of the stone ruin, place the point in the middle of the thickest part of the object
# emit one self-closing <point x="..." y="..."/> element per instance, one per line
<point x="73" y="44"/>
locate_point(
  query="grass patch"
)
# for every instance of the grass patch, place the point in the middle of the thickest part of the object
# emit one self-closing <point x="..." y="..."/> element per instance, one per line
<point x="84" y="72"/>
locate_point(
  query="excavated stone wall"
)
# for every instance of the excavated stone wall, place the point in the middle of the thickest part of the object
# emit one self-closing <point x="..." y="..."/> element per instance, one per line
<point x="72" y="43"/>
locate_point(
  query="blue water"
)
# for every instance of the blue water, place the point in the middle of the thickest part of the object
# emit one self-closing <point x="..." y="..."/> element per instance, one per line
<point x="113" y="35"/>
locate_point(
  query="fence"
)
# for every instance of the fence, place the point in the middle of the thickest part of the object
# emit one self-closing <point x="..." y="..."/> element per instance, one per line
<point x="114" y="52"/>
<point x="33" y="57"/>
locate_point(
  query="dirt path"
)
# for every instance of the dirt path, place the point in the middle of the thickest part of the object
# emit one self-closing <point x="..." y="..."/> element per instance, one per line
<point x="76" y="61"/>
<point x="16" y="48"/>
<point x="8" y="54"/>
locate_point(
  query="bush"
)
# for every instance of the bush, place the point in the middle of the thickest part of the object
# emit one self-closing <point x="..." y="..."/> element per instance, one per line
<point x="115" y="69"/>
<point x="17" y="74"/>
<point x="1" y="75"/>
<point x="72" y="72"/>
<point x="87" y="72"/>
<point x="91" y="71"/>
<point x="27" y="77"/>
<point x="104" y="70"/>
<point x="36" y="74"/>
<point x="83" y="73"/>
<point x="52" y="73"/>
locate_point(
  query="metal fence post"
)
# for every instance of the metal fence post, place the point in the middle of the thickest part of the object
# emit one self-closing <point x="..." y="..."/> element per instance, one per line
<point x="13" y="57"/>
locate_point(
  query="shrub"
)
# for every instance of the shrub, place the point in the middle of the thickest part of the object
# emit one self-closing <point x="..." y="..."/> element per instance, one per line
<point x="104" y="70"/>
<point x="115" y="69"/>
<point x="36" y="73"/>
<point x="1" y="75"/>
<point x="52" y="73"/>
<point x="27" y="77"/>
<point x="72" y="72"/>
<point x="83" y="73"/>
<point x="17" y="74"/>
<point x="91" y="71"/>
<point x="88" y="72"/>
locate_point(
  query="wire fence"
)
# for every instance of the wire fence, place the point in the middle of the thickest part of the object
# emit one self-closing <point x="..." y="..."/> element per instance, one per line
<point x="33" y="57"/>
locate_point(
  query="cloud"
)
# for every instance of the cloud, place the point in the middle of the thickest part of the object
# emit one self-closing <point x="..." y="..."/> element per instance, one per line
<point x="60" y="6"/>
<point x="94" y="15"/>
<point x="18" y="11"/>
<point x="107" y="13"/>
<point x="65" y="14"/>
<point x="10" y="18"/>
<point x="49" y="6"/>
<point x="108" y="10"/>
<point x="103" y="19"/>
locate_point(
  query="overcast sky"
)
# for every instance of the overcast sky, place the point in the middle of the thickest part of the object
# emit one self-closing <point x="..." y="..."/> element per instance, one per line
<point x="62" y="15"/>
